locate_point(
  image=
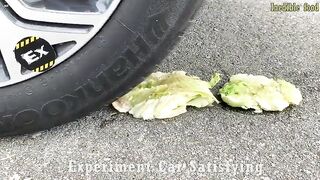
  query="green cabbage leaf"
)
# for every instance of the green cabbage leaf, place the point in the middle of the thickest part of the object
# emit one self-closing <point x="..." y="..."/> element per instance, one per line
<point x="166" y="95"/>
<point x="259" y="93"/>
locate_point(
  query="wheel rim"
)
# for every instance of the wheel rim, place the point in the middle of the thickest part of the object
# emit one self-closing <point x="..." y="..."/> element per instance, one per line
<point x="67" y="29"/>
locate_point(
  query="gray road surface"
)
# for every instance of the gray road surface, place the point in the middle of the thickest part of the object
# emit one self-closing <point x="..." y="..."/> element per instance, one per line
<point x="227" y="36"/>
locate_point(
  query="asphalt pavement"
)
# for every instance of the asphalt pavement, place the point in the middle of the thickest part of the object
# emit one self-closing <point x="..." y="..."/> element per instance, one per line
<point x="229" y="37"/>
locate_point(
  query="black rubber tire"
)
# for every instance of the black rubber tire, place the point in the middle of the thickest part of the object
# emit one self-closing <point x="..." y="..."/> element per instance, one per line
<point x="136" y="38"/>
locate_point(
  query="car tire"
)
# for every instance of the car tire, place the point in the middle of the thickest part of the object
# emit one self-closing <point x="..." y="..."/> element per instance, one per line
<point x="136" y="38"/>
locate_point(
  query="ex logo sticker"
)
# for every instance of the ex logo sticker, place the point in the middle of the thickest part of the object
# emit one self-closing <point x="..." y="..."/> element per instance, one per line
<point x="35" y="54"/>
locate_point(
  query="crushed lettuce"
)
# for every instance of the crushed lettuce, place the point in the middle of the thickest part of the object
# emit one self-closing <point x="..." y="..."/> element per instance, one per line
<point x="259" y="93"/>
<point x="166" y="95"/>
